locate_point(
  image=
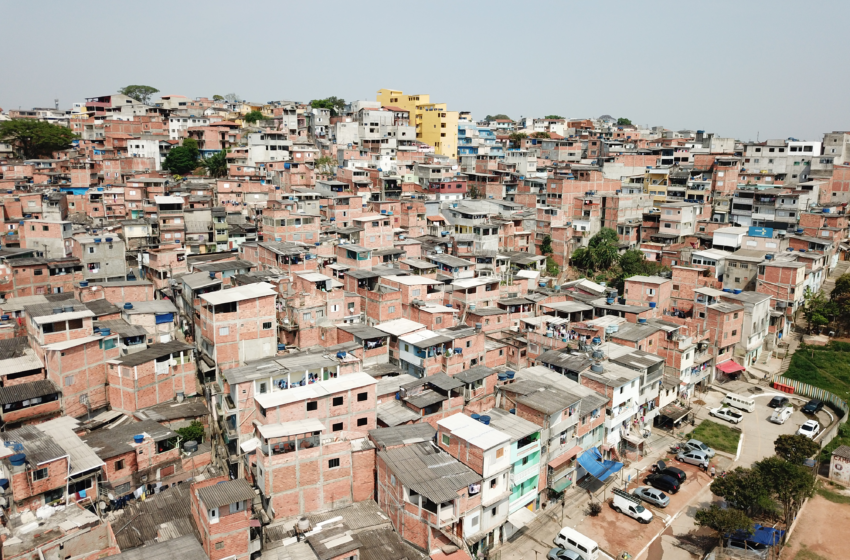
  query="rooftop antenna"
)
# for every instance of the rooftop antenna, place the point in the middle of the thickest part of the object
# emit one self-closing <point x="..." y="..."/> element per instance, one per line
<point x="56" y="102"/>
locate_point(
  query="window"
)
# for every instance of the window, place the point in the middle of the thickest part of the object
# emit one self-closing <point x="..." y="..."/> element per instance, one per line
<point x="219" y="545"/>
<point x="337" y="401"/>
<point x="39" y="474"/>
<point x="119" y="464"/>
<point x="213" y="515"/>
<point x="493" y="483"/>
<point x="223" y="331"/>
<point x="337" y="427"/>
<point x="333" y="463"/>
<point x="447" y="439"/>
<point x="362" y="397"/>
<point x="312" y="405"/>
<point x="38" y="272"/>
<point x="392" y="309"/>
<point x="237" y="506"/>
<point x="308" y="316"/>
<point x="500" y="453"/>
<point x="468" y="343"/>
<point x="263" y="388"/>
<point x="736" y="315"/>
<point x="734" y="332"/>
<point x="362" y="421"/>
<point x="438" y="320"/>
<point x="267" y="325"/>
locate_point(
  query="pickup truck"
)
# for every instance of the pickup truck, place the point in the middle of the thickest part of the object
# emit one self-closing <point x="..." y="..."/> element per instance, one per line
<point x="727" y="414"/>
<point x="624" y="502"/>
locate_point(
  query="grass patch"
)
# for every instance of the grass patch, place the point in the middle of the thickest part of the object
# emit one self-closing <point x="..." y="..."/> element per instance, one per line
<point x="833" y="496"/>
<point x="825" y="367"/>
<point x="804" y="554"/>
<point x="720" y="437"/>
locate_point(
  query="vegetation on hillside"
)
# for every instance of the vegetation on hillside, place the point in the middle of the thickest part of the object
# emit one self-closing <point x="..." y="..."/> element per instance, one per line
<point x="32" y="139"/>
<point x="601" y="260"/>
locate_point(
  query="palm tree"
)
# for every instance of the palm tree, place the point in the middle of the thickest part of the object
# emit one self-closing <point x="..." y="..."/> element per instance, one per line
<point x="216" y="164"/>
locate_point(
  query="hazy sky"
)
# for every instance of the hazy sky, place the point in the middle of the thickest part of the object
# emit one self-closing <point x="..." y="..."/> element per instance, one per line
<point x="738" y="68"/>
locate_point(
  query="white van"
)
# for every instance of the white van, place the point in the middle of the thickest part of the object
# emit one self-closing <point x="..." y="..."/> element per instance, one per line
<point x="738" y="401"/>
<point x="623" y="502"/>
<point x="573" y="540"/>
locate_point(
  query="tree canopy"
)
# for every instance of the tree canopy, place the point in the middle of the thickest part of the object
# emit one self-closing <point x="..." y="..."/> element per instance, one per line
<point x="723" y="521"/>
<point x="254" y="116"/>
<point x="499" y="117"/>
<point x="142" y="94"/>
<point x="181" y="160"/>
<point x="336" y="105"/>
<point x="192" y="432"/>
<point x="192" y="145"/>
<point x="623" y="121"/>
<point x="795" y="448"/>
<point x="216" y="164"/>
<point x="541" y="135"/>
<point x="325" y="164"/>
<point x="218" y="98"/>
<point x="517" y="137"/>
<point x="744" y="489"/>
<point x="553" y="117"/>
<point x="788" y="483"/>
<point x="32" y="138"/>
<point x="601" y="253"/>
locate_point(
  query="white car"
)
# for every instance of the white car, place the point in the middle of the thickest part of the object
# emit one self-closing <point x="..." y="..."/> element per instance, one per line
<point x="810" y="429"/>
<point x="727" y="414"/>
<point x="780" y="415"/>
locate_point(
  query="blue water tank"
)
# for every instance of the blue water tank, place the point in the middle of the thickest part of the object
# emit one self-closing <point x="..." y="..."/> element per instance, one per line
<point x="503" y="377"/>
<point x="652" y="304"/>
<point x="105" y="331"/>
<point x="109" y="240"/>
<point x="484" y="420"/>
<point x="128" y="306"/>
<point x="18" y="459"/>
<point x="281" y="347"/>
<point x="738" y="291"/>
<point x="340" y="355"/>
<point x="97" y="239"/>
<point x="510" y="373"/>
<point x="287" y="165"/>
<point x="139" y="438"/>
<point x="641" y="320"/>
<point x="84" y="284"/>
<point x="476" y="416"/>
<point x="609" y="301"/>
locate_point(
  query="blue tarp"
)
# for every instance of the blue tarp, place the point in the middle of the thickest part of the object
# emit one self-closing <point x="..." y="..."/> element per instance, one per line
<point x="592" y="461"/>
<point x="165" y="318"/>
<point x="767" y="536"/>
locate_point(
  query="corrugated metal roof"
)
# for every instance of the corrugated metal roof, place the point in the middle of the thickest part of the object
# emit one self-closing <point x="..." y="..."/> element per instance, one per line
<point x="83" y="457"/>
<point x="122" y="327"/>
<point x="186" y="547"/>
<point x="295" y="427"/>
<point x="109" y="442"/>
<point x="156" y="306"/>
<point x="52" y="318"/>
<point x="164" y="412"/>
<point x="39" y="447"/>
<point x="13" y="347"/>
<point x="394" y="413"/>
<point x="249" y="291"/>
<point x="225" y="493"/>
<point x="26" y="362"/>
<point x="402" y="435"/>
<point x="154" y="352"/>
<point x="225" y="265"/>
<point x="24" y="391"/>
<point x="436" y="475"/>
<point x="141" y="521"/>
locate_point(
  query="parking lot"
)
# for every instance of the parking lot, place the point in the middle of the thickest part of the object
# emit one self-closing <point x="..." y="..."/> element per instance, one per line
<point x="759" y="432"/>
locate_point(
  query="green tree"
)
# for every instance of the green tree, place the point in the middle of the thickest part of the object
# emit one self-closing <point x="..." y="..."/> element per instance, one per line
<point x="325" y="165"/>
<point x="789" y="484"/>
<point x="623" y="121"/>
<point x="744" y="489"/>
<point x="601" y="253"/>
<point x="142" y="94"/>
<point x="192" y="145"/>
<point x="31" y="138"/>
<point x="842" y="287"/>
<point x="474" y="192"/>
<point x="723" y="521"/>
<point x="218" y="98"/>
<point x="794" y="448"/>
<point x="216" y="164"/>
<point x="253" y="116"/>
<point x="516" y="138"/>
<point x="336" y="105"/>
<point x="546" y="246"/>
<point x="817" y="309"/>
<point x="181" y="160"/>
<point x="499" y="117"/>
<point x="192" y="432"/>
<point x="553" y="117"/>
<point x="541" y="135"/>
<point x="552" y="268"/>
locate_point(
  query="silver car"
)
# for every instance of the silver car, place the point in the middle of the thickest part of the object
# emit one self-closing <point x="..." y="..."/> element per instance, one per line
<point x="697" y="445"/>
<point x="692" y="457"/>
<point x="652" y="495"/>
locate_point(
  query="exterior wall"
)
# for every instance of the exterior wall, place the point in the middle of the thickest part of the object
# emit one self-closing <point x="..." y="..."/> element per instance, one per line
<point x="132" y="388"/>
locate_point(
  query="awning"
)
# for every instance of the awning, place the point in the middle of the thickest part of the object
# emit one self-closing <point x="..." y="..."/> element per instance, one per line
<point x="435" y="218"/>
<point x="521" y="517"/>
<point x="730" y="367"/>
<point x="561" y="460"/>
<point x="675" y="413"/>
<point x="592" y="461"/>
<point x="250" y="445"/>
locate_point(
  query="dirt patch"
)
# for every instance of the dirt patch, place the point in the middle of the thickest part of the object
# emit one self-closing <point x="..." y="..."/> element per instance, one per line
<point x="819" y="531"/>
<point x="699" y="402"/>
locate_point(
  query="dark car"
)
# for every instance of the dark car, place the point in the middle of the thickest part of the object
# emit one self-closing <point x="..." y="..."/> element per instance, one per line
<point x="813" y="406"/>
<point x="663" y="482"/>
<point x="778" y="402"/>
<point x="661" y="468"/>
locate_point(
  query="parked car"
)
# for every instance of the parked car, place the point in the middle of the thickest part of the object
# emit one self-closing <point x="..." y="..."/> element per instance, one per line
<point x="780" y="415"/>
<point x="563" y="554"/>
<point x="727" y="414"/>
<point x="697" y="445"/>
<point x="778" y="402"/>
<point x="661" y="467"/>
<point x="663" y="482"/>
<point x="693" y="457"/>
<point x="810" y="429"/>
<point x="651" y="495"/>
<point x="812" y="407"/>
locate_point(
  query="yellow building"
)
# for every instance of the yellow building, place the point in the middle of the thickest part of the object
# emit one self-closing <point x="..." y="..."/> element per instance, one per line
<point x="435" y="125"/>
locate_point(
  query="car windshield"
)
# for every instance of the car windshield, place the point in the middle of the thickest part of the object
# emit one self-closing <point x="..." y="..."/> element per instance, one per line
<point x="640" y="509"/>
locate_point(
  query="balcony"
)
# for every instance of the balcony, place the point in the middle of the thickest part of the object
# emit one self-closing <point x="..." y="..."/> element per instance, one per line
<point x="171" y="226"/>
